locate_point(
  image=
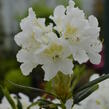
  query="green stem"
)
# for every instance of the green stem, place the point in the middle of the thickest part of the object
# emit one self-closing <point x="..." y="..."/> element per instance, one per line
<point x="73" y="105"/>
<point x="32" y="88"/>
<point x="62" y="105"/>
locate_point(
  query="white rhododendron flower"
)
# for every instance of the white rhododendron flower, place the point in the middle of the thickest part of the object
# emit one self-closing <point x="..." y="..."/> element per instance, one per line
<point x="98" y="99"/>
<point x="54" y="58"/>
<point x="23" y="99"/>
<point x="81" y="33"/>
<point x="41" y="46"/>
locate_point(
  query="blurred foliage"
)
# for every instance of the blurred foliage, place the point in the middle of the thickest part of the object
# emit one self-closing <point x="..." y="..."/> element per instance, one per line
<point x="40" y="10"/>
<point x="16" y="77"/>
<point x="7" y="64"/>
<point x="78" y="3"/>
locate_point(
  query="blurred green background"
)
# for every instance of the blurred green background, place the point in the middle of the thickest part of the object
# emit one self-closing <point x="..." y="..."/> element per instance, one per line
<point x="11" y="12"/>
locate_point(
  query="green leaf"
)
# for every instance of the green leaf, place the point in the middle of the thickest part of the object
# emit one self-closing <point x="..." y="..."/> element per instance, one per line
<point x="7" y="95"/>
<point x="88" y="88"/>
<point x="16" y="76"/>
<point x="91" y="83"/>
<point x="19" y="104"/>
<point x="32" y="88"/>
<point x="84" y="94"/>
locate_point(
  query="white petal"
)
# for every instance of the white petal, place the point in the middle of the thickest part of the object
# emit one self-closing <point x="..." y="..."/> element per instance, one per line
<point x="94" y="76"/>
<point x="75" y="12"/>
<point x="95" y="58"/>
<point x="93" y="21"/>
<point x="95" y="45"/>
<point x="71" y="3"/>
<point x="52" y="68"/>
<point x="80" y="55"/>
<point x="69" y="104"/>
<point x="92" y="48"/>
<point x="66" y="66"/>
<point x="50" y="71"/>
<point x="27" y="68"/>
<point x="19" y="38"/>
<point x="66" y="47"/>
<point x="41" y="21"/>
<point x="59" y="11"/>
<point x="23" y="56"/>
<point x="27" y="23"/>
<point x="70" y="7"/>
<point x="24" y="97"/>
<point x="23" y="38"/>
<point x="31" y="13"/>
<point x="38" y="33"/>
<point x="91" y="32"/>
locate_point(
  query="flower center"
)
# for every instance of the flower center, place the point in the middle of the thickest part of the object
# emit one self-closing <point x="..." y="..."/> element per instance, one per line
<point x="54" y="51"/>
<point x="71" y="33"/>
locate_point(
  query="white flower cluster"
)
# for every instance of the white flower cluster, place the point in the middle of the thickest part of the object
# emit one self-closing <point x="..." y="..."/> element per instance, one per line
<point x="97" y="100"/>
<point x="78" y="37"/>
<point x="23" y="99"/>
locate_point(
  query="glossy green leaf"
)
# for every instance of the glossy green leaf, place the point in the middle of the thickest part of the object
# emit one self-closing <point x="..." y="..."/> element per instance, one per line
<point x="84" y="94"/>
<point x="91" y="83"/>
<point x="19" y="104"/>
